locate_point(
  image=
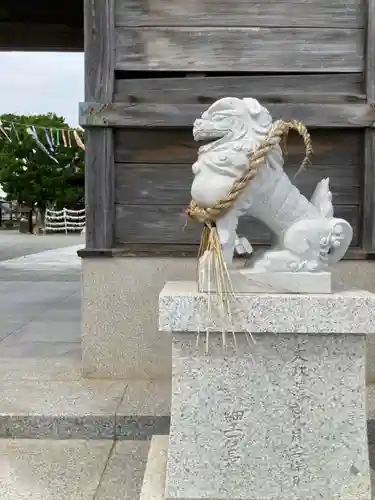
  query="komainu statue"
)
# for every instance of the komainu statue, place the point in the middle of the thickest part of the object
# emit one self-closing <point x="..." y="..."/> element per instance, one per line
<point x="240" y="171"/>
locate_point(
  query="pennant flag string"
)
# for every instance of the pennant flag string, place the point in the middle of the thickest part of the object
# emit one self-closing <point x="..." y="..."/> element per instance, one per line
<point x="54" y="136"/>
<point x="20" y="124"/>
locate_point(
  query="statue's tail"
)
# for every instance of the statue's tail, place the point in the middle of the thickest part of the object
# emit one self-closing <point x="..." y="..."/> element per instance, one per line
<point x="322" y="199"/>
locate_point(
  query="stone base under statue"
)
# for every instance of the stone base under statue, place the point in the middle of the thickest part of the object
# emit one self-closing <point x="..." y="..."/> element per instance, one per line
<point x="281" y="419"/>
<point x="252" y="281"/>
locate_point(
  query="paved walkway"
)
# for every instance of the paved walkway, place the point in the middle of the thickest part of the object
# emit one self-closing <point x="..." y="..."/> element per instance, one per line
<point x="71" y="470"/>
<point x="40" y="311"/>
<point x="39" y="295"/>
<point x="14" y="244"/>
<point x="55" y="259"/>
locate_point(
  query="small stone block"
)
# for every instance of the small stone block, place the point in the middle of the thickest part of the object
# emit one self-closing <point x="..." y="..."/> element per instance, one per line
<point x="182" y="308"/>
<point x="123" y="475"/>
<point x="252" y="281"/>
<point x="256" y="282"/>
<point x="141" y="427"/>
<point x="154" y="478"/>
<point x="144" y="410"/>
<point x="64" y="409"/>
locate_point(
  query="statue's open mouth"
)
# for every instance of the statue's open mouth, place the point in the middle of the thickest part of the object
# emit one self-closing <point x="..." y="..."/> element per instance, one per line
<point x="201" y="135"/>
<point x="204" y="130"/>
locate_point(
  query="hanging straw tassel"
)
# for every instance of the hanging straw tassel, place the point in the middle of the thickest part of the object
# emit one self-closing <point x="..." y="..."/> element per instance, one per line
<point x="211" y="256"/>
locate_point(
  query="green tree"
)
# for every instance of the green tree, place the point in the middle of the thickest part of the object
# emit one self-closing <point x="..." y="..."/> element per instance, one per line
<point x="29" y="175"/>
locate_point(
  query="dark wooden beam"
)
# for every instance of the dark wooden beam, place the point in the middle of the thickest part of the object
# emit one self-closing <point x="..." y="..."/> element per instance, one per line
<point x="68" y="12"/>
<point x="43" y="37"/>
<point x="369" y="160"/>
<point x="99" y="158"/>
<point x="139" y="250"/>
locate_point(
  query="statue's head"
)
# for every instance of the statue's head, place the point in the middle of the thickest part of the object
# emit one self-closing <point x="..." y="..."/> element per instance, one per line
<point x="232" y="115"/>
<point x="242" y="124"/>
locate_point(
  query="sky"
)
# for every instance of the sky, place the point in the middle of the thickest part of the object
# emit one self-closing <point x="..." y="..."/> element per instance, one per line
<point x="33" y="83"/>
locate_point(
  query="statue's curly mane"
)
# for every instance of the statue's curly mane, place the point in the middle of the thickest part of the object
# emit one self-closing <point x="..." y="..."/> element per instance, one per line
<point x="246" y="120"/>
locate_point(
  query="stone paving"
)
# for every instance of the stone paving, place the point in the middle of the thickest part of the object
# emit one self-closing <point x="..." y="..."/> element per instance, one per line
<point x="40" y="311"/>
<point x="72" y="469"/>
<point x="36" y="303"/>
<point x="14" y="244"/>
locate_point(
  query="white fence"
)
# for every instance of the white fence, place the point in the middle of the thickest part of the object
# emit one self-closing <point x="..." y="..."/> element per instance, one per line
<point x="65" y="220"/>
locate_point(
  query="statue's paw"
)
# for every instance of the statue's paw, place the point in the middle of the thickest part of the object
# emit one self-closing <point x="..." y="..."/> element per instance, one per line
<point x="243" y="246"/>
<point x="340" y="237"/>
<point x="323" y="241"/>
<point x="279" y="261"/>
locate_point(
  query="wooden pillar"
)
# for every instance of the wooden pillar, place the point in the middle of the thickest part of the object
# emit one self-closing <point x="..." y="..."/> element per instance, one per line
<point x="369" y="157"/>
<point x="99" y="29"/>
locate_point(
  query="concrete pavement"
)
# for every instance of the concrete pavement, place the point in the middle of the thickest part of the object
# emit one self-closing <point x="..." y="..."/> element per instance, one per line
<point x="71" y="470"/>
<point x="30" y="292"/>
<point x="14" y="244"/>
<point x="41" y="387"/>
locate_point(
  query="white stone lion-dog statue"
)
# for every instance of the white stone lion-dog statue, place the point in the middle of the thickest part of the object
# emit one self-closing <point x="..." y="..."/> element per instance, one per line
<point x="309" y="237"/>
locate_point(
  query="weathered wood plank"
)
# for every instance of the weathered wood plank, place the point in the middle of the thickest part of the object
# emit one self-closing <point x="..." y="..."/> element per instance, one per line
<point x="317" y="88"/>
<point x="332" y="148"/>
<point x="368" y="217"/>
<point x="317" y="13"/>
<point x="167" y="225"/>
<point x="153" y="115"/>
<point x="284" y="50"/>
<point x="169" y="184"/>
<point x="99" y="17"/>
<point x="368" y="227"/>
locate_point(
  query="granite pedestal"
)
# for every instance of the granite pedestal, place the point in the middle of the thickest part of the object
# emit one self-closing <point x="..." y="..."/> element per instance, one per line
<point x="283" y="418"/>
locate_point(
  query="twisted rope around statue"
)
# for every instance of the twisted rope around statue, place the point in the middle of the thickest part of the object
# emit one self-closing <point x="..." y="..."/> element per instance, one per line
<point x="280" y="130"/>
<point x="210" y="248"/>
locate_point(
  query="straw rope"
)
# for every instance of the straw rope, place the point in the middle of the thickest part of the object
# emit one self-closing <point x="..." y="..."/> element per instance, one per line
<point x="257" y="158"/>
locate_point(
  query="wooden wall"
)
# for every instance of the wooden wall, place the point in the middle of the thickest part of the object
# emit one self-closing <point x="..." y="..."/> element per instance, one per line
<point x="240" y="35"/>
<point x="153" y="177"/>
<point x="169" y="60"/>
